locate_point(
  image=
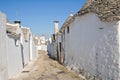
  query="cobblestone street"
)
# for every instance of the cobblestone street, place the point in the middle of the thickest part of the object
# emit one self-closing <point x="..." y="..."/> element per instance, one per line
<point x="45" y="68"/>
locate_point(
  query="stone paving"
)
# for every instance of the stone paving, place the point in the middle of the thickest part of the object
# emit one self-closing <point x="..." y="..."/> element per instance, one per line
<point x="45" y="68"/>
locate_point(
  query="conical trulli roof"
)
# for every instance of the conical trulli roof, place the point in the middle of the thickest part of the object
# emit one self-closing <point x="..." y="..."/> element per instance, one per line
<point x="107" y="10"/>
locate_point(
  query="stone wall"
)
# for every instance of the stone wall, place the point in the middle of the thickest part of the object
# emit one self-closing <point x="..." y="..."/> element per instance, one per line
<point x="107" y="10"/>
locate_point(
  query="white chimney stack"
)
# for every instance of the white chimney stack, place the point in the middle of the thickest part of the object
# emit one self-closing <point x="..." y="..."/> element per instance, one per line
<point x="56" y="27"/>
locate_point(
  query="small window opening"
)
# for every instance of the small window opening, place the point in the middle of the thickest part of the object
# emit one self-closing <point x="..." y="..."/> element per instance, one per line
<point x="68" y="29"/>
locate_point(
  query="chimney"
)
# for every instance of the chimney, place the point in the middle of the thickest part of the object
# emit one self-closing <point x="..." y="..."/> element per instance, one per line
<point x="56" y="27"/>
<point x="18" y="22"/>
<point x="71" y="14"/>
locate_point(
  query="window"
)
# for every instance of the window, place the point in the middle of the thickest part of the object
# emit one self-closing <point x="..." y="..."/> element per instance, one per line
<point x="68" y="29"/>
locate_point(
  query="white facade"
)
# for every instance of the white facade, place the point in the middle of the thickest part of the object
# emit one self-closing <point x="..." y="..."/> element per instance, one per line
<point x="93" y="45"/>
<point x="41" y="43"/>
<point x="26" y="51"/>
<point x="15" y="57"/>
<point x="42" y="47"/>
<point x="3" y="54"/>
<point x="26" y="44"/>
<point x="16" y="51"/>
<point x="52" y="51"/>
<point x="42" y="40"/>
<point x="34" y="51"/>
<point x="15" y="54"/>
<point x="20" y="48"/>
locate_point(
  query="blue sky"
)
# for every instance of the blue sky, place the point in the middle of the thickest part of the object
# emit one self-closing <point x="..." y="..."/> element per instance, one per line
<point x="40" y="14"/>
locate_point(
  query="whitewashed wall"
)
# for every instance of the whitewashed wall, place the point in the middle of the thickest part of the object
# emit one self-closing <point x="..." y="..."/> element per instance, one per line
<point x="3" y="54"/>
<point x="59" y="54"/>
<point x="119" y="45"/>
<point x="15" y="54"/>
<point x="34" y="51"/>
<point x="49" y="48"/>
<point x="42" y="47"/>
<point x="52" y="50"/>
<point x="63" y="45"/>
<point x="93" y="45"/>
<point x="15" y="57"/>
<point x="26" y="51"/>
<point x="26" y="48"/>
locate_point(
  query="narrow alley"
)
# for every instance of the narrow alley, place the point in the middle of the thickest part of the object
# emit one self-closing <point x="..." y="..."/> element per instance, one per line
<point x="45" y="68"/>
<point x="60" y="40"/>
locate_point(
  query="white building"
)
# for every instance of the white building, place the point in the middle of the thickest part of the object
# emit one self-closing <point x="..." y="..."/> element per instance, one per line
<point x="52" y="47"/>
<point x="21" y="46"/>
<point x="41" y="43"/>
<point x="3" y="53"/>
<point x="29" y="47"/>
<point x="15" y="54"/>
<point x="17" y="47"/>
<point x="33" y="48"/>
<point x="90" y="40"/>
<point x="26" y="44"/>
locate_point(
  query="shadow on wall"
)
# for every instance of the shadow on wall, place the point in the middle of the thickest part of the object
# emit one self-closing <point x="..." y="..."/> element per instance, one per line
<point x="22" y="56"/>
<point x="56" y="52"/>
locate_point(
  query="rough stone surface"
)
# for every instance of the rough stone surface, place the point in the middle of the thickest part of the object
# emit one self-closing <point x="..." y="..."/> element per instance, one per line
<point x="107" y="10"/>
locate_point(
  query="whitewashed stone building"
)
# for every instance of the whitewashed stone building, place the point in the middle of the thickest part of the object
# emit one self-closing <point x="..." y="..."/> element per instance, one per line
<point x="3" y="53"/>
<point x="51" y="49"/>
<point x="53" y="43"/>
<point x="17" y="47"/>
<point x="15" y="55"/>
<point x="26" y="44"/>
<point x="30" y="49"/>
<point x="90" y="40"/>
<point x="41" y="43"/>
<point x="20" y="44"/>
<point x="33" y="48"/>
